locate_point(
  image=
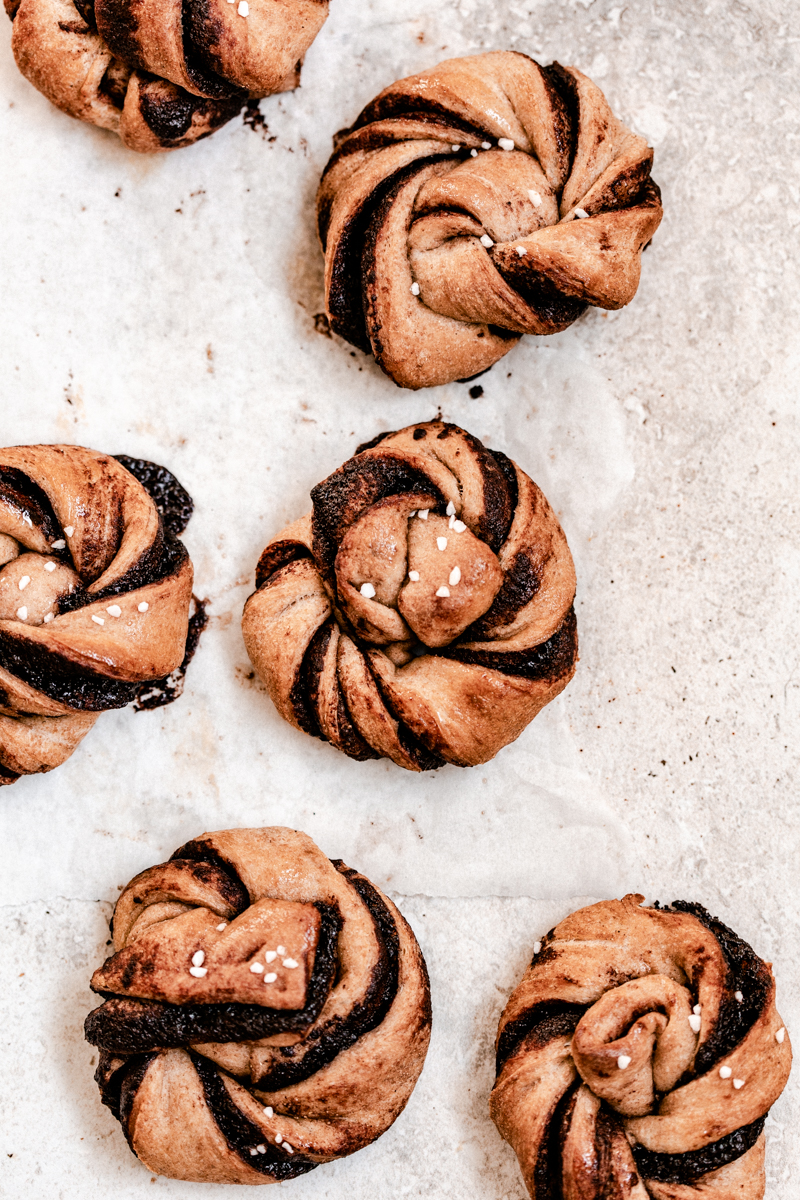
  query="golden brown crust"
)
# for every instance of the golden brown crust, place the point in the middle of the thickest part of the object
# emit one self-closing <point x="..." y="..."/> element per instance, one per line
<point x="267" y="1010"/>
<point x="423" y="612"/>
<point x="639" y="1056"/>
<point x="159" y="73"/>
<point x="94" y="598"/>
<point x="476" y="202"/>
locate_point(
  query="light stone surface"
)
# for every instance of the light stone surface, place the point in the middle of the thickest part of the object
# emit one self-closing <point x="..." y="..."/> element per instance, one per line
<point x="164" y="307"/>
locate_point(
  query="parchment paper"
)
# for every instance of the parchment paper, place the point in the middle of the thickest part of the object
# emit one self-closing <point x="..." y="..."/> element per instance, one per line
<point x="164" y="307"/>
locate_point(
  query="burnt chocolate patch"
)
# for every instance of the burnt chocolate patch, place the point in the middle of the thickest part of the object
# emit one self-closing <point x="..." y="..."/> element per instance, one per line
<point x="541" y="1022"/>
<point x="168" y="111"/>
<point x="126" y="1025"/>
<point x="172" y="500"/>
<point x="376" y="441"/>
<point x="360" y="482"/>
<point x="748" y="974"/>
<point x="324" y="1042"/>
<point x="159" y="692"/>
<point x="686" y="1168"/>
<point x="552" y="660"/>
<point x="239" y="1131"/>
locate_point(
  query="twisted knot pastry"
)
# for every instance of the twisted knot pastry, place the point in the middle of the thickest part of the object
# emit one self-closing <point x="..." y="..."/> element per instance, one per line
<point x="423" y="611"/>
<point x="639" y="1057"/>
<point x="161" y="73"/>
<point x="268" y="1010"/>
<point x="484" y="199"/>
<point x="95" y="590"/>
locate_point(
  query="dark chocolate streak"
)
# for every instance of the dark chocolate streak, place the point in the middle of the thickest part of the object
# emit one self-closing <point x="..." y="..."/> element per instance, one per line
<point x="202" y="32"/>
<point x="198" y="850"/>
<point x="308" y="697"/>
<point x="541" y="294"/>
<point x="173" y="502"/>
<point x="86" y="9"/>
<point x="126" y="1025"/>
<point x="119" y="1080"/>
<point x="20" y="491"/>
<point x="323" y="1043"/>
<point x="498" y="499"/>
<point x="521" y="582"/>
<point x="118" y="26"/>
<point x="350" y="263"/>
<point x="360" y="482"/>
<point x="305" y="688"/>
<point x="367" y="282"/>
<point x="401" y="104"/>
<point x="686" y="1168"/>
<point x="277" y="555"/>
<point x="551" y="660"/>
<point x="59" y="679"/>
<point x="547" y="1171"/>
<point x="545" y="1020"/>
<point x="240" y="1133"/>
<point x="748" y="974"/>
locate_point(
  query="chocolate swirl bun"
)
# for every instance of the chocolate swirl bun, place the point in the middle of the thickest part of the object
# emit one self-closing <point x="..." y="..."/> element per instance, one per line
<point x="266" y="1010"/>
<point x="484" y="199"/>
<point x="95" y="590"/>
<point x="423" y="611"/>
<point x="639" y="1057"/>
<point x="161" y="73"/>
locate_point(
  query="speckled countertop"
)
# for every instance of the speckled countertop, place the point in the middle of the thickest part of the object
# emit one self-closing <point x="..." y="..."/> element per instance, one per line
<point x="164" y="307"/>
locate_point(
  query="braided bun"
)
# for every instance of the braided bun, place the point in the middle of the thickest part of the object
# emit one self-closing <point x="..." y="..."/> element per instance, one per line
<point x="95" y="591"/>
<point x="485" y="199"/>
<point x="423" y="611"/>
<point x="161" y="73"/>
<point x="267" y="1010"/>
<point x="639" y="1056"/>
